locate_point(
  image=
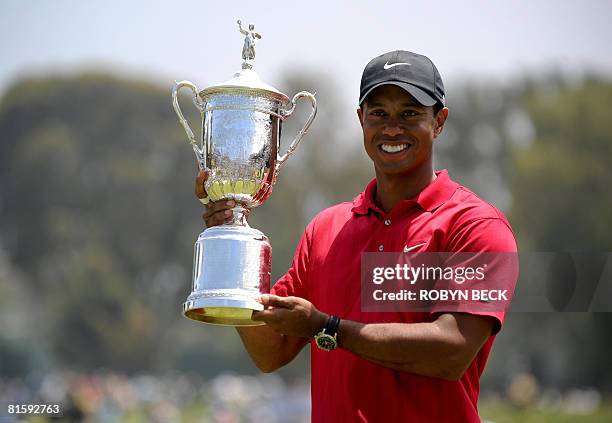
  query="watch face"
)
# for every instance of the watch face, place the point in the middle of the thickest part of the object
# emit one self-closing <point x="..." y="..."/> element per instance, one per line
<point x="326" y="342"/>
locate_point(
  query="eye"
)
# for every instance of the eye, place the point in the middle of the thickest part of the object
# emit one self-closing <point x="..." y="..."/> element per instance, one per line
<point x="377" y="113"/>
<point x="410" y="113"/>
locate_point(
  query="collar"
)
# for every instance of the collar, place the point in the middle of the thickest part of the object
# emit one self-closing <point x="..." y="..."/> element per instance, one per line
<point x="430" y="198"/>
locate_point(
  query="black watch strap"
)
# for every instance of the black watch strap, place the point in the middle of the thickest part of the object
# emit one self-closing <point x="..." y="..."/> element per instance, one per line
<point x="331" y="328"/>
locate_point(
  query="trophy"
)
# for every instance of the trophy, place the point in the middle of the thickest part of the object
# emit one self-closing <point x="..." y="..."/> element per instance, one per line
<point x="239" y="143"/>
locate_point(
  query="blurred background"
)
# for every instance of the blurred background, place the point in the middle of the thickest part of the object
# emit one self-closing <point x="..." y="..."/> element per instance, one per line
<point x="98" y="215"/>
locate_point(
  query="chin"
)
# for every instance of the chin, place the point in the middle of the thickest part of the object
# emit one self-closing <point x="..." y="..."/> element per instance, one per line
<point x="394" y="171"/>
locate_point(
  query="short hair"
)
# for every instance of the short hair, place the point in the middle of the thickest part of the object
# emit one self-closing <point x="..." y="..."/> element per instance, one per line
<point x="437" y="107"/>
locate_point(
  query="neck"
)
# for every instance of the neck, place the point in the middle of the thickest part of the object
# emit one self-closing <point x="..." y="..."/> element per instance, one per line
<point x="391" y="189"/>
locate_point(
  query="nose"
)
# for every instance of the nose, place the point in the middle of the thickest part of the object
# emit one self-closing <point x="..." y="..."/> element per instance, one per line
<point x="392" y="129"/>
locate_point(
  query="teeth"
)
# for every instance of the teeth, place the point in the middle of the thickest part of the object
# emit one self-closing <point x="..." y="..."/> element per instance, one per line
<point x="393" y="148"/>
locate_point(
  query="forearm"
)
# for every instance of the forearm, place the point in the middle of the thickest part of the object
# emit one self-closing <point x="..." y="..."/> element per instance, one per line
<point x="443" y="348"/>
<point x="435" y="349"/>
<point x="268" y="349"/>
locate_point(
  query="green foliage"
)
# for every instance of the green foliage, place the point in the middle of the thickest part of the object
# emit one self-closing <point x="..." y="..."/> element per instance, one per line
<point x="561" y="181"/>
<point x="93" y="169"/>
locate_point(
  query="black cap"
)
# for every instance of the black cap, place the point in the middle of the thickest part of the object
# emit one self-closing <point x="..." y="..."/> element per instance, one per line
<point x="413" y="72"/>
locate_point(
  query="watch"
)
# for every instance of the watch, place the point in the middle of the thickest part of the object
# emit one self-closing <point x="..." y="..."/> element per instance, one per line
<point x="327" y="338"/>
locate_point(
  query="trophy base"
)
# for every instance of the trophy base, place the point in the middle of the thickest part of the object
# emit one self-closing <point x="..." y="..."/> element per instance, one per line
<point x="222" y="311"/>
<point x="232" y="265"/>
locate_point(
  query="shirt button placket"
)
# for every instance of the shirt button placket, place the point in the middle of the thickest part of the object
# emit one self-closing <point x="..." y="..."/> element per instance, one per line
<point x="381" y="247"/>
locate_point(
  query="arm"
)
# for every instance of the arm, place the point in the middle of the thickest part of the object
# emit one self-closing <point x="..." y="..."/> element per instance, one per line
<point x="443" y="348"/>
<point x="268" y="349"/>
<point x="274" y="345"/>
<point x="242" y="31"/>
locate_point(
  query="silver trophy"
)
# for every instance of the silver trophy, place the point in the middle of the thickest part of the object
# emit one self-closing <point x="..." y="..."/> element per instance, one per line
<point x="241" y="126"/>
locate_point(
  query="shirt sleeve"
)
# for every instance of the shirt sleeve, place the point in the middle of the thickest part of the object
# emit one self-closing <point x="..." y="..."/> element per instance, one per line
<point x="295" y="281"/>
<point x="494" y="238"/>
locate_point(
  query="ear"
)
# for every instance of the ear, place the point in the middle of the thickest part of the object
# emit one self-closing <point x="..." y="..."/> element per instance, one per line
<point x="360" y="116"/>
<point x="440" y="118"/>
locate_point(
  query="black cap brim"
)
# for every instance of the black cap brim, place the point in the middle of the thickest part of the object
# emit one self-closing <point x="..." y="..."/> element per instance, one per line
<point x="419" y="95"/>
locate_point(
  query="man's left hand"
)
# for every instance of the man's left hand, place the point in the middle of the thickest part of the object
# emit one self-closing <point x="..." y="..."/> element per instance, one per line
<point x="293" y="316"/>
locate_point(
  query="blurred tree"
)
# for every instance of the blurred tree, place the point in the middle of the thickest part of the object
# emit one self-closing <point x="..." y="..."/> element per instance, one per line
<point x="475" y="143"/>
<point x="560" y="182"/>
<point x="561" y="202"/>
<point x="88" y="215"/>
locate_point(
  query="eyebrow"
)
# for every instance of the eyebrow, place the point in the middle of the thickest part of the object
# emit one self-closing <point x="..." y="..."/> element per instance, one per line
<point x="405" y="104"/>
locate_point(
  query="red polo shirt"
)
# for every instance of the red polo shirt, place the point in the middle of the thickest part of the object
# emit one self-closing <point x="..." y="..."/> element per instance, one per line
<point x="444" y="217"/>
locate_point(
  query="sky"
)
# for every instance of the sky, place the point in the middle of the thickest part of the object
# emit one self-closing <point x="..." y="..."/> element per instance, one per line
<point x="199" y="40"/>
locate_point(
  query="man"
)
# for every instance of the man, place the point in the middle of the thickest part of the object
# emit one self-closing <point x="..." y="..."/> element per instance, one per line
<point x="393" y="366"/>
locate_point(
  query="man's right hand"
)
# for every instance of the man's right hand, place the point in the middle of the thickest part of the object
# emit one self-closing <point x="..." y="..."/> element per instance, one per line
<point x="217" y="212"/>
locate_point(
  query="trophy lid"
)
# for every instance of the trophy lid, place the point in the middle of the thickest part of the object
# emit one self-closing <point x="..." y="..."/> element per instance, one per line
<point x="246" y="81"/>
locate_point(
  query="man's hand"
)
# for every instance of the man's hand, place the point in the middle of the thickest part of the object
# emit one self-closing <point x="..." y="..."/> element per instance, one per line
<point x="217" y="212"/>
<point x="293" y="316"/>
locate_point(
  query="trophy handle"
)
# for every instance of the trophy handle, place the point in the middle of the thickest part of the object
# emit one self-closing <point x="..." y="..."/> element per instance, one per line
<point x="200" y="152"/>
<point x="313" y="101"/>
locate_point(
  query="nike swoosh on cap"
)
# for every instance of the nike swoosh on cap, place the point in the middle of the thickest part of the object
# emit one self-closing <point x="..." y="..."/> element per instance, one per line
<point x="389" y="66"/>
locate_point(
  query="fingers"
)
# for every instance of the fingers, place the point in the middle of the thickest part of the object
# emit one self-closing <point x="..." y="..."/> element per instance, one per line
<point x="275" y="308"/>
<point x="269" y="300"/>
<point x="218" y="212"/>
<point x="215" y="207"/>
<point x="271" y="315"/>
<point x="200" y="192"/>
<point x="261" y="316"/>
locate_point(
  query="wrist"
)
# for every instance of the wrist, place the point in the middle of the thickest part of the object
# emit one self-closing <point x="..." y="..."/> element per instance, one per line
<point x="327" y="338"/>
<point x="319" y="322"/>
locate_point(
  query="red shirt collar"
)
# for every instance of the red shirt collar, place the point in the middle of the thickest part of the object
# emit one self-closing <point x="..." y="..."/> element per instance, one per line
<point x="433" y="196"/>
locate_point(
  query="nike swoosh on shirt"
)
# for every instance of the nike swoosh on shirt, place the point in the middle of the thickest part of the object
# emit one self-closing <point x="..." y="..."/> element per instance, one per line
<point x="407" y="249"/>
<point x="389" y="66"/>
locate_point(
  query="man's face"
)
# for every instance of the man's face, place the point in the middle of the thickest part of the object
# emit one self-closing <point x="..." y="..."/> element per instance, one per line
<point x="398" y="131"/>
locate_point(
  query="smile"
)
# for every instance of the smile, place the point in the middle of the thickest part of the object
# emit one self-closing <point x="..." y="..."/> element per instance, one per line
<point x="393" y="148"/>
